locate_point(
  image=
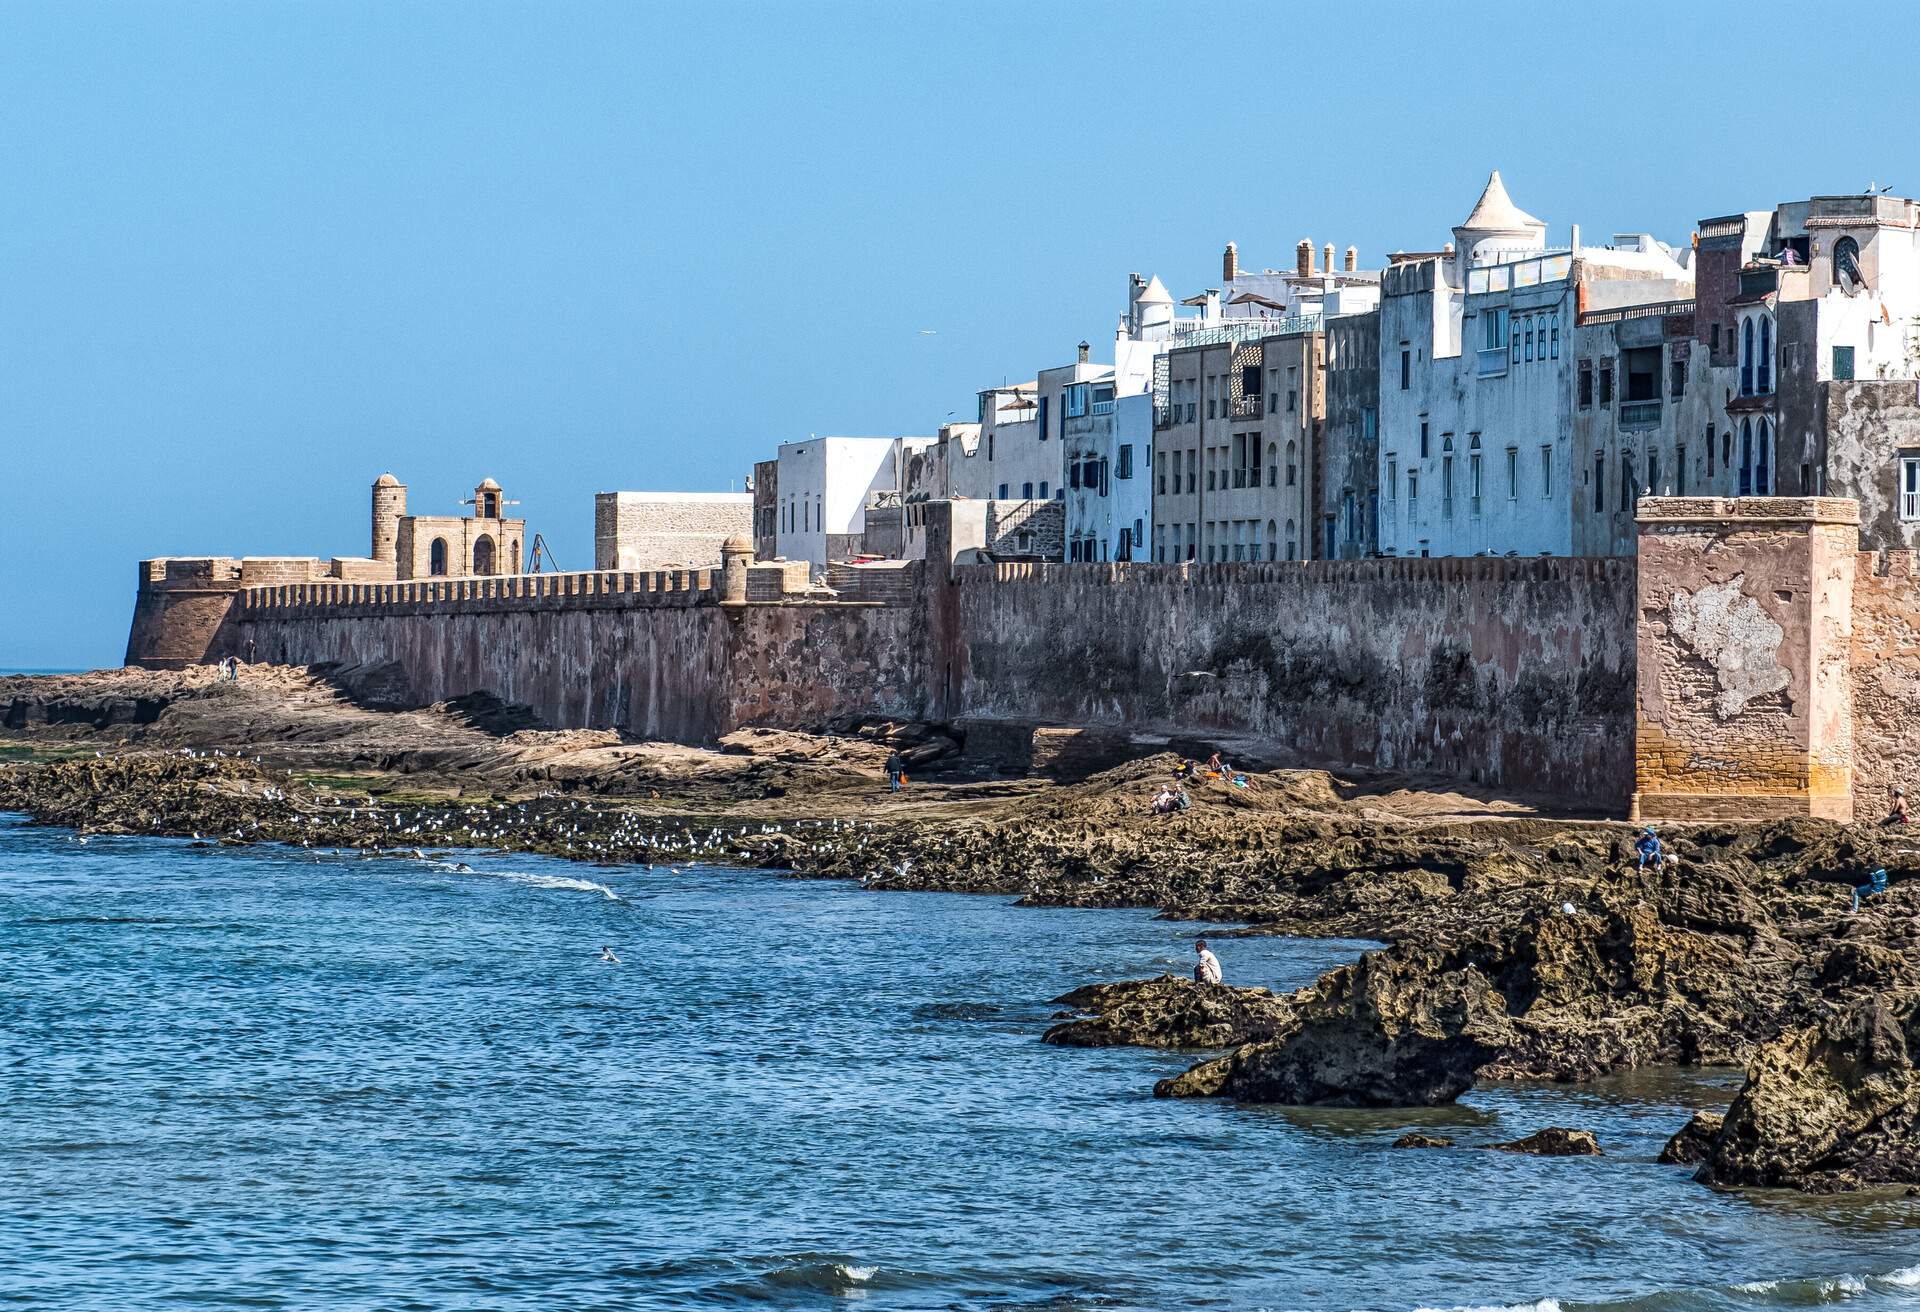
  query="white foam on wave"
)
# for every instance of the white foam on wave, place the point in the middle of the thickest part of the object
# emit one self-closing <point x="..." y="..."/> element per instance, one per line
<point x="859" y="1275"/>
<point x="547" y="881"/>
<point x="1907" y="1277"/>
<point x="1544" y="1305"/>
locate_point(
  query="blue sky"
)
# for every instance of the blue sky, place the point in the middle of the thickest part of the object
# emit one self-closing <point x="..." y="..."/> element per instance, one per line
<point x="251" y="255"/>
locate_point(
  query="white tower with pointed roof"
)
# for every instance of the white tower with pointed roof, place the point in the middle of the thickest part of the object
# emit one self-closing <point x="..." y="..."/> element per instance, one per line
<point x="1497" y="227"/>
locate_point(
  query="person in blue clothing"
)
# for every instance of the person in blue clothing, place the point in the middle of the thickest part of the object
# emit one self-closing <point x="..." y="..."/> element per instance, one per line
<point x="1649" y="849"/>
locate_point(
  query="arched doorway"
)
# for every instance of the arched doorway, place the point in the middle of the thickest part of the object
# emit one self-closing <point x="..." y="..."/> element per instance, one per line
<point x="483" y="555"/>
<point x="437" y="557"/>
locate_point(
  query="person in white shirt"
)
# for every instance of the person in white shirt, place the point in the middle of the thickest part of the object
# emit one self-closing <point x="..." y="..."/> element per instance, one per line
<point x="1208" y="969"/>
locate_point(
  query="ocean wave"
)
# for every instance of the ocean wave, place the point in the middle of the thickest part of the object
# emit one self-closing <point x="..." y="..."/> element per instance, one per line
<point x="1810" y="1291"/>
<point x="535" y="881"/>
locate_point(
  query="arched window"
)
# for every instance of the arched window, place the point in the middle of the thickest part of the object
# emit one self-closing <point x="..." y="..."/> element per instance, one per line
<point x="513" y="556"/>
<point x="1746" y="358"/>
<point x="1273" y="541"/>
<point x="1290" y="471"/>
<point x="1761" y="481"/>
<point x="1273" y="468"/>
<point x="437" y="557"/>
<point x="483" y="555"/>
<point x="1846" y="265"/>
<point x="1746" y="457"/>
<point x="1763" y="362"/>
<point x="1292" y="539"/>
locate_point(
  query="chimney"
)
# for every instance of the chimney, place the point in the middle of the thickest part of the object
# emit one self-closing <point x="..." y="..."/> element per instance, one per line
<point x="1353" y="259"/>
<point x="1084" y="349"/>
<point x="1303" y="257"/>
<point x="1327" y="263"/>
<point x="1230" y="262"/>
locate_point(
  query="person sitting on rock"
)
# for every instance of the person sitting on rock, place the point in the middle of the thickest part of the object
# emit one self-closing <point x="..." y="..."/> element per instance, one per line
<point x="1215" y="765"/>
<point x="1898" y="815"/>
<point x="1207" y="969"/>
<point x="1166" y="801"/>
<point x="1649" y="849"/>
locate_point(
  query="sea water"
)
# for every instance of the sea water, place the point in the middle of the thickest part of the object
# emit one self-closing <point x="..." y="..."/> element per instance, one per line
<point x="266" y="1078"/>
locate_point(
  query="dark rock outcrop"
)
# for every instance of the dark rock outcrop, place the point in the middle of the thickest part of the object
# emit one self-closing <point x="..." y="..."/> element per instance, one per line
<point x="1169" y="1012"/>
<point x="1694" y="1141"/>
<point x="1417" y="1140"/>
<point x="1831" y="1108"/>
<point x="1554" y="1141"/>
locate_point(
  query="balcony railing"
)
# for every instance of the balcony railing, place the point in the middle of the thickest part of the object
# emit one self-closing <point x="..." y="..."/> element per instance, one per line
<point x="1165" y="416"/>
<point x="1493" y="361"/>
<point x="1246" y="407"/>
<point x="1910" y="505"/>
<point x="1640" y="414"/>
<point x="1102" y="407"/>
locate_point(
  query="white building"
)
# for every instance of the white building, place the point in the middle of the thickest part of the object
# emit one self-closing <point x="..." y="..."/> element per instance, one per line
<point x="1478" y="380"/>
<point x="825" y="486"/>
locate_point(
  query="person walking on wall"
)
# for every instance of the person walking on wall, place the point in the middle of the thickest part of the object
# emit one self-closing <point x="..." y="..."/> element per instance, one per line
<point x="1207" y="969"/>
<point x="896" y="771"/>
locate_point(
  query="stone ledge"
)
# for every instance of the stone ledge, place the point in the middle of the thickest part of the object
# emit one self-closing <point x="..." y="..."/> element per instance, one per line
<point x="1722" y="511"/>
<point x="1738" y="806"/>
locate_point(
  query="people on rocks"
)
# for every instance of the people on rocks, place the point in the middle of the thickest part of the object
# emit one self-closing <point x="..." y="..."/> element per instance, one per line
<point x="1649" y="849"/>
<point x="1875" y="886"/>
<point x="1207" y="969"/>
<point x="896" y="771"/>
<point x="1169" y="801"/>
<point x="1898" y="815"/>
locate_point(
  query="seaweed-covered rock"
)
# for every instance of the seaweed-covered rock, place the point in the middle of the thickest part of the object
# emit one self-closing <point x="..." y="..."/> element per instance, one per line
<point x="1831" y="1108"/>
<point x="1417" y="1140"/>
<point x="1169" y="1012"/>
<point x="1694" y="1141"/>
<point x="1554" y="1141"/>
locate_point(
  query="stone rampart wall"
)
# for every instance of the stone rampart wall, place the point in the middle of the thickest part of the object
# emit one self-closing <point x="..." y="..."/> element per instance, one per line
<point x="1885" y="668"/>
<point x="1515" y="673"/>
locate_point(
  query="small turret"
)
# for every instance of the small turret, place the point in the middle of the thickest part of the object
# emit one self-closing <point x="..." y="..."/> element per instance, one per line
<point x="389" y="508"/>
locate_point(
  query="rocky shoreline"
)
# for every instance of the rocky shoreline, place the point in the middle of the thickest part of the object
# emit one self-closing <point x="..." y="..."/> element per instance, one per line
<point x="1519" y="945"/>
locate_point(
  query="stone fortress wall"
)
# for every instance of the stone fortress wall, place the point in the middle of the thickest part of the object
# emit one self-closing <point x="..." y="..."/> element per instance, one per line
<point x="1752" y="663"/>
<point x="665" y="530"/>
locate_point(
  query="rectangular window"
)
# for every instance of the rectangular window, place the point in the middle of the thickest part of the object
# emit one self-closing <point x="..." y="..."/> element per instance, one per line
<point x="1678" y="385"/>
<point x="1546" y="472"/>
<point x="1125" y="469"/>
<point x="1494" y="328"/>
<point x="1626" y="481"/>
<point x="1586" y="385"/>
<point x="989" y="446"/>
<point x="1446" y="487"/>
<point x="1043" y="418"/>
<point x="1423" y="439"/>
<point x="1026" y="491"/>
<point x="1043" y="489"/>
<point x="1709" y="450"/>
<point x="1513" y="473"/>
<point x="1193" y="472"/>
<point x="1160" y="479"/>
<point x="1680" y="470"/>
<point x="1606" y="384"/>
<point x="1843" y="364"/>
<point x="1076" y="400"/>
<point x="1073" y="473"/>
<point x="1393" y="477"/>
<point x="1406" y="370"/>
<point x="1910" y="488"/>
<point x="1250" y="380"/>
<point x="1003" y="492"/>
<point x="1473" y="482"/>
<point x="1599" y="482"/>
<point x="1653" y="473"/>
<point x="1293" y="397"/>
<point x="1556" y="335"/>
